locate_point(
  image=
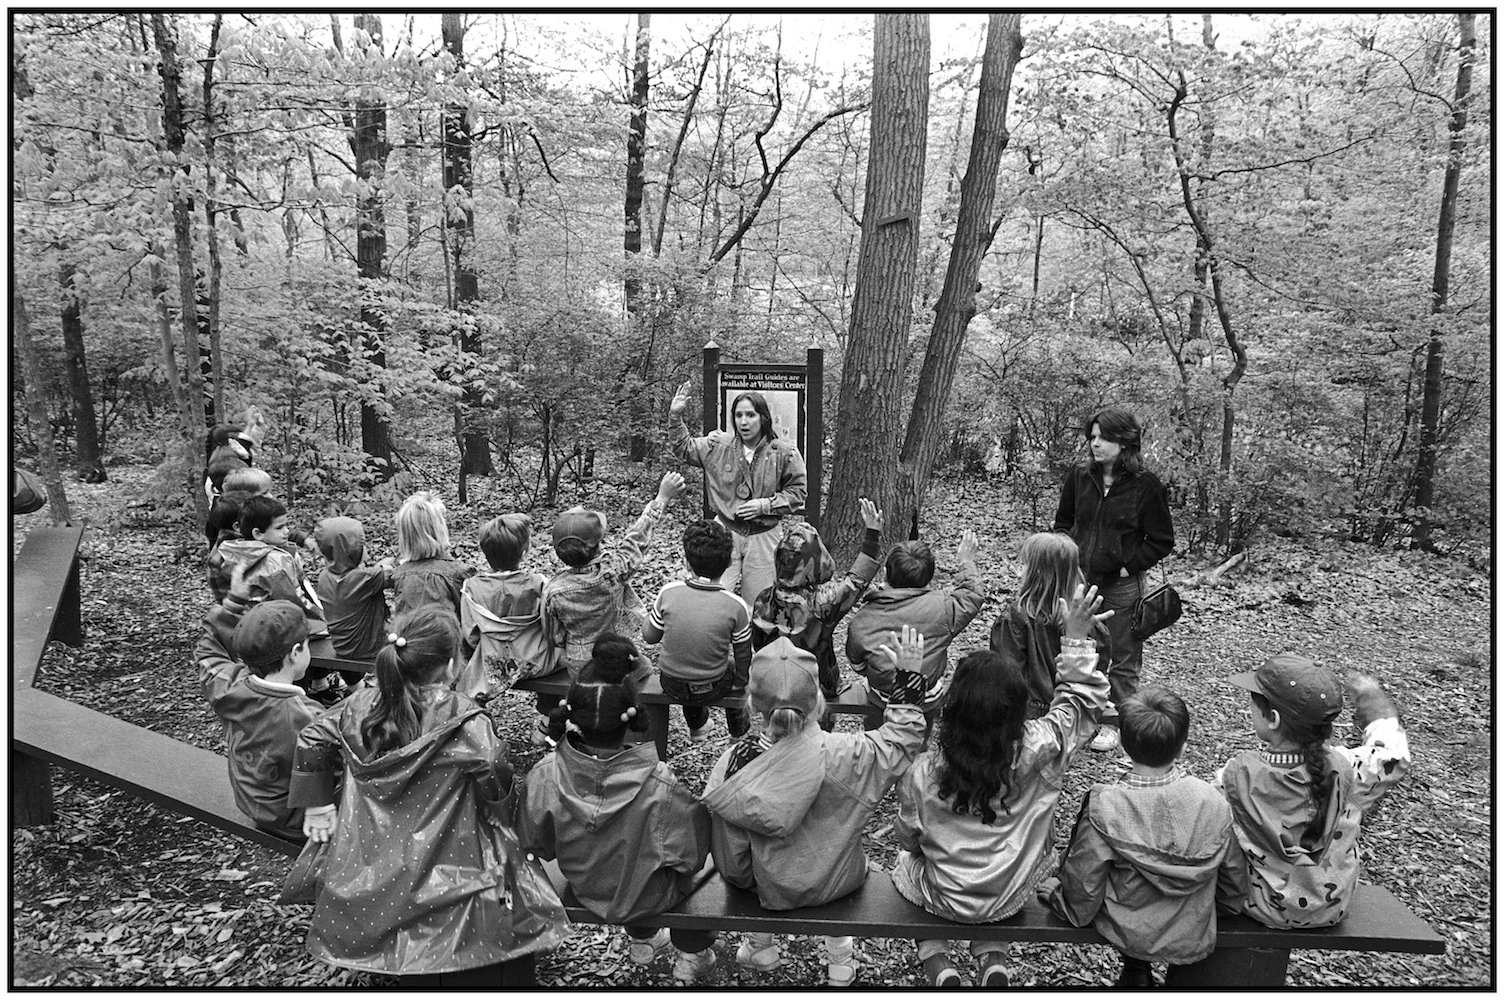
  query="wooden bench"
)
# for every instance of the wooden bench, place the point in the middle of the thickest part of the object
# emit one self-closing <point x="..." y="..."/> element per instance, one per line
<point x="1248" y="954"/>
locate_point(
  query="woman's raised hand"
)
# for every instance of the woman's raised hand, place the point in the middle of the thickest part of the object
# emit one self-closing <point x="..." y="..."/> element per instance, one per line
<point x="1079" y="614"/>
<point x="680" y="401"/>
<point x="871" y="516"/>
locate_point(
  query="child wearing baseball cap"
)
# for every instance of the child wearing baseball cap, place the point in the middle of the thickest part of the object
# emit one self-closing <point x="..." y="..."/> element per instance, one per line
<point x="255" y="693"/>
<point x="1296" y="802"/>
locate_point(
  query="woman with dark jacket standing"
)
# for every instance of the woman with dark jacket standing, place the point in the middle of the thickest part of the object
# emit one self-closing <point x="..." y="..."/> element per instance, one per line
<point x="1116" y="512"/>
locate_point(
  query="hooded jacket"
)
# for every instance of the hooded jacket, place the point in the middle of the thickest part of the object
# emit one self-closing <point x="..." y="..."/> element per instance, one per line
<point x="353" y="594"/>
<point x="940" y="615"/>
<point x="271" y="574"/>
<point x="957" y="867"/>
<point x="628" y="836"/>
<point x="1143" y="864"/>
<point x="776" y="472"/>
<point x="416" y="876"/>
<point x="805" y="603"/>
<point x="1124" y="526"/>
<point x="789" y="823"/>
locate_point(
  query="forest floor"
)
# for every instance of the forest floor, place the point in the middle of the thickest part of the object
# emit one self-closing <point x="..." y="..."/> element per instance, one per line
<point x="118" y="893"/>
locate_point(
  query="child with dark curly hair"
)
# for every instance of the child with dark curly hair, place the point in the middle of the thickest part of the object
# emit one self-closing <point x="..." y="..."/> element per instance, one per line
<point x="975" y="813"/>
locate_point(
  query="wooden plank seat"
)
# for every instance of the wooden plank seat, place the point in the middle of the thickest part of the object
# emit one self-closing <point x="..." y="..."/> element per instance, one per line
<point x="1248" y="954"/>
<point x="44" y="601"/>
<point x="182" y="777"/>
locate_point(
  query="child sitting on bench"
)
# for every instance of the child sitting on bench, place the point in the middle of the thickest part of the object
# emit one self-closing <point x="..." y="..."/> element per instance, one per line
<point x="976" y="813"/>
<point x="353" y="593"/>
<point x="628" y="835"/>
<point x="908" y="599"/>
<point x="706" y="633"/>
<point x="255" y="693"/>
<point x="424" y="877"/>
<point x="425" y="572"/>
<point x="1144" y="859"/>
<point x="503" y="638"/>
<point x="1297" y="803"/>
<point x="788" y="804"/>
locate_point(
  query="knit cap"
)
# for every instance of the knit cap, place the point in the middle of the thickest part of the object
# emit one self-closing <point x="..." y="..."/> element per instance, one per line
<point x="1301" y="690"/>
<point x="267" y="632"/>
<point x="783" y="676"/>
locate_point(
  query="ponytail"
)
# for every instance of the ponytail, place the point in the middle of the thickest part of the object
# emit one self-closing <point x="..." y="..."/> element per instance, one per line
<point x="418" y="649"/>
<point x="784" y="722"/>
<point x="1319" y="769"/>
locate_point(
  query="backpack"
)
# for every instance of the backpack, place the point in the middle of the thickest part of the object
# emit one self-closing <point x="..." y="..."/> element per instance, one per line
<point x="507" y="650"/>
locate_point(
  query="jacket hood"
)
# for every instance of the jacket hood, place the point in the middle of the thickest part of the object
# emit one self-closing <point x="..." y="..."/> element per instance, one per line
<point x="896" y="596"/>
<point x="342" y="540"/>
<point x="387" y="776"/>
<point x="771" y="795"/>
<point x="246" y="551"/>
<point x="1179" y="870"/>
<point x="594" y="791"/>
<point x="801" y="559"/>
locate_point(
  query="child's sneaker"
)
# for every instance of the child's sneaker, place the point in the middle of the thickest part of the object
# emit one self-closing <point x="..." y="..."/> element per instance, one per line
<point x="698" y="736"/>
<point x="644" y="951"/>
<point x="1107" y="738"/>
<point x="994" y="971"/>
<point x="540" y="734"/>
<point x="941" y="973"/>
<point x="842" y="973"/>
<point x="748" y="956"/>
<point x="691" y="965"/>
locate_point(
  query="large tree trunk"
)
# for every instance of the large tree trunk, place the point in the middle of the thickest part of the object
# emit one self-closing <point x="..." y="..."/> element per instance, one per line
<point x="216" y="373"/>
<point x="195" y="420"/>
<point x="369" y="145"/>
<point x="872" y="376"/>
<point x="459" y="220"/>
<point x="641" y="407"/>
<point x="41" y="427"/>
<point x="1430" y="407"/>
<point x="89" y="460"/>
<point x="957" y="303"/>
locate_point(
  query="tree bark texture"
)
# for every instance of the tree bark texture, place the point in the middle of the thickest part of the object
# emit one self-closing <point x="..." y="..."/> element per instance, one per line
<point x="1430" y="406"/>
<point x="957" y="303"/>
<point x="638" y="323"/>
<point x="211" y="234"/>
<point x="89" y="458"/>
<point x="369" y="145"/>
<point x="41" y="427"/>
<point x="194" y="419"/>
<point x="459" y="220"/>
<point x="872" y="378"/>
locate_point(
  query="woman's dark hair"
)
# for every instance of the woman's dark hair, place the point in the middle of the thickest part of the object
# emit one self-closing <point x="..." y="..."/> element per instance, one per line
<point x="602" y="693"/>
<point x="424" y="643"/>
<point x="761" y="406"/>
<point x="981" y="726"/>
<point x="1122" y="429"/>
<point x="219" y="436"/>
<point x="1312" y="740"/>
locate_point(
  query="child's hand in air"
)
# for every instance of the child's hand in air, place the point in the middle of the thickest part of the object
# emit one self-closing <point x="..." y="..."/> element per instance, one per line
<point x="905" y="653"/>
<point x="671" y="486"/>
<point x="1080" y="612"/>
<point x="871" y="516"/>
<point x="967" y="550"/>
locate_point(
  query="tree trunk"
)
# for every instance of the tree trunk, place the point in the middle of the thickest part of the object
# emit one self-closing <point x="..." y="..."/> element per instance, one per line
<point x="957" y="303"/>
<point x="369" y="145"/>
<point x="872" y="375"/>
<point x="41" y="427"/>
<point x="194" y="419"/>
<point x="459" y="220"/>
<point x="89" y="460"/>
<point x="637" y="132"/>
<point x="211" y="233"/>
<point x="1430" y="407"/>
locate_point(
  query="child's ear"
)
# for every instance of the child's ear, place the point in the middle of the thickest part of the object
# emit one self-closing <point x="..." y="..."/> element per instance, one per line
<point x="1273" y="717"/>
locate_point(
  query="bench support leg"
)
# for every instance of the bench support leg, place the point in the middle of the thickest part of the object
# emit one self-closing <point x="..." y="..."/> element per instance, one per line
<point x="68" y="626"/>
<point x="30" y="790"/>
<point x="1229" y="968"/>
<point x="658" y="727"/>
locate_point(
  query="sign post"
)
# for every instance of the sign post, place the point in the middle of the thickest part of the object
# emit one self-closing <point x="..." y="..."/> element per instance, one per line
<point x="793" y="393"/>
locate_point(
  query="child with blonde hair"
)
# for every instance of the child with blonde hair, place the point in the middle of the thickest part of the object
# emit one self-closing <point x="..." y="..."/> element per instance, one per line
<point x="419" y="837"/>
<point x="788" y="804"/>
<point x="425" y="572"/>
<point x="1027" y="632"/>
<point x="1297" y="803"/>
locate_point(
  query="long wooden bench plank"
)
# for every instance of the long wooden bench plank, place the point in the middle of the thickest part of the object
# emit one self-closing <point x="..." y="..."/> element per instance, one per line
<point x="184" y="778"/>
<point x="1377" y="921"/>
<point x="44" y="598"/>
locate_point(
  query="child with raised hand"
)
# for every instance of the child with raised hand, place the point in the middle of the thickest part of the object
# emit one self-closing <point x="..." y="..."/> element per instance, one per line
<point x="425" y="572"/>
<point x="419" y="840"/>
<point x="908" y="599"/>
<point x="788" y="804"/>
<point x="975" y="813"/>
<point x="1027" y="632"/>
<point x="353" y="593"/>
<point x="1143" y="863"/>
<point x="1297" y="803"/>
<point x="627" y="835"/>
<point x="706" y="633"/>
<point x="503" y="638"/>
<point x="805" y="603"/>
